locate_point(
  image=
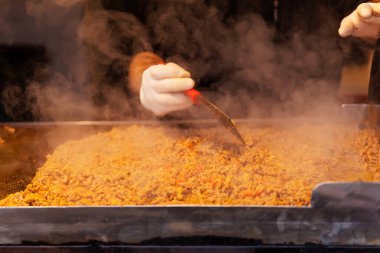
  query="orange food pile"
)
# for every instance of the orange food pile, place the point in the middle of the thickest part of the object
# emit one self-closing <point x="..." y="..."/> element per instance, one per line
<point x="139" y="165"/>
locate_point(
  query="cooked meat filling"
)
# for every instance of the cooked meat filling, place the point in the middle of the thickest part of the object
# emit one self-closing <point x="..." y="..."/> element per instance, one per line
<point x="140" y="165"/>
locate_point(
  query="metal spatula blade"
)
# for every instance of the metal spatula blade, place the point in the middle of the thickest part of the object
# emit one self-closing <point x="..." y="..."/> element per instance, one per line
<point x="222" y="117"/>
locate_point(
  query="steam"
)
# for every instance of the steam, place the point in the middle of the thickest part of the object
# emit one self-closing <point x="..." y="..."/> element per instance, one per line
<point x="90" y="50"/>
<point x="250" y="72"/>
<point x="253" y="75"/>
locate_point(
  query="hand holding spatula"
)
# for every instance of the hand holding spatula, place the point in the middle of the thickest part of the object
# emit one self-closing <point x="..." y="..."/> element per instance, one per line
<point x="168" y="87"/>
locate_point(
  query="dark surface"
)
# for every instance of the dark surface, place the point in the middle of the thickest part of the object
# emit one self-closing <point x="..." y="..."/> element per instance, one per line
<point x="206" y="59"/>
<point x="374" y="82"/>
<point x="95" y="248"/>
<point x="18" y="66"/>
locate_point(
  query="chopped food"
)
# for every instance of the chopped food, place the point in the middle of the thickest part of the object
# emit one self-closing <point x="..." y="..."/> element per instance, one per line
<point x="142" y="165"/>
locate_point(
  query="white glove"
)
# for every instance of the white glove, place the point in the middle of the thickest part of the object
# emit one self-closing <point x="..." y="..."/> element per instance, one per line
<point x="364" y="22"/>
<point x="162" y="88"/>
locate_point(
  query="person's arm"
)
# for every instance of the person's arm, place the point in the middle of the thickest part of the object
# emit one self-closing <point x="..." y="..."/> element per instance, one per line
<point x="160" y="86"/>
<point x="139" y="64"/>
<point x="364" y="22"/>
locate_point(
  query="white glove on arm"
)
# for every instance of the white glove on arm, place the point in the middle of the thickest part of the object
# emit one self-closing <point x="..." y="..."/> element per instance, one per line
<point x="162" y="88"/>
<point x="364" y="22"/>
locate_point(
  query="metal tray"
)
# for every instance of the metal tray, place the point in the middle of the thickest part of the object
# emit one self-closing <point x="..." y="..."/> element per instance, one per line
<point x="340" y="213"/>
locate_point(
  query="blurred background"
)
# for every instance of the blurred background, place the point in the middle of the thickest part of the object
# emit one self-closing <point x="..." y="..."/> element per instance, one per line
<point x="68" y="59"/>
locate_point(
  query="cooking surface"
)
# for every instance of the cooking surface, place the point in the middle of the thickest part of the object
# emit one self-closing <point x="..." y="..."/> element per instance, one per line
<point x="339" y="214"/>
<point x="24" y="147"/>
<point x="21" y="153"/>
<point x="161" y="165"/>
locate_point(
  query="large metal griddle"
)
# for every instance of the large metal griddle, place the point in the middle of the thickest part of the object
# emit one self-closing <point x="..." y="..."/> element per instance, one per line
<point x="340" y="213"/>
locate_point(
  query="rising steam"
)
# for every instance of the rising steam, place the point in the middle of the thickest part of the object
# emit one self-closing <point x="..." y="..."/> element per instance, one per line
<point x="90" y="50"/>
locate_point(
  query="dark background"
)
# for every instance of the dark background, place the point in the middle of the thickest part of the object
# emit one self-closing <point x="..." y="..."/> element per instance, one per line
<point x="22" y="63"/>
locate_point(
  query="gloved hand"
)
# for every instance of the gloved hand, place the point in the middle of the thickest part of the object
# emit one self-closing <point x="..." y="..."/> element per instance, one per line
<point x="364" y="22"/>
<point x="162" y="88"/>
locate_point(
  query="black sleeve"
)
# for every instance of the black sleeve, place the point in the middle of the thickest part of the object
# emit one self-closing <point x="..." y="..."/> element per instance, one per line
<point x="135" y="7"/>
<point x="350" y="6"/>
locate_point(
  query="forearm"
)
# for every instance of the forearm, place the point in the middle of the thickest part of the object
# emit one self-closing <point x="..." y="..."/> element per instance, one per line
<point x="139" y="64"/>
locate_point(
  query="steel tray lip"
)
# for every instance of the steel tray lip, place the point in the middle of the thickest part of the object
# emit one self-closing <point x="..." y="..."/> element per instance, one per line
<point x="207" y="206"/>
<point x="159" y="122"/>
<point x="160" y="207"/>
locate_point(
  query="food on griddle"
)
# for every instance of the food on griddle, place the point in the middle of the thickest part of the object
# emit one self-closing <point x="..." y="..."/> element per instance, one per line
<point x="140" y="165"/>
<point x="20" y="155"/>
<point x="12" y="184"/>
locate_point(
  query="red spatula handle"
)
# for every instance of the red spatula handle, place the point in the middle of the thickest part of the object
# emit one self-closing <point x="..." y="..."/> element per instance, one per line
<point x="193" y="94"/>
